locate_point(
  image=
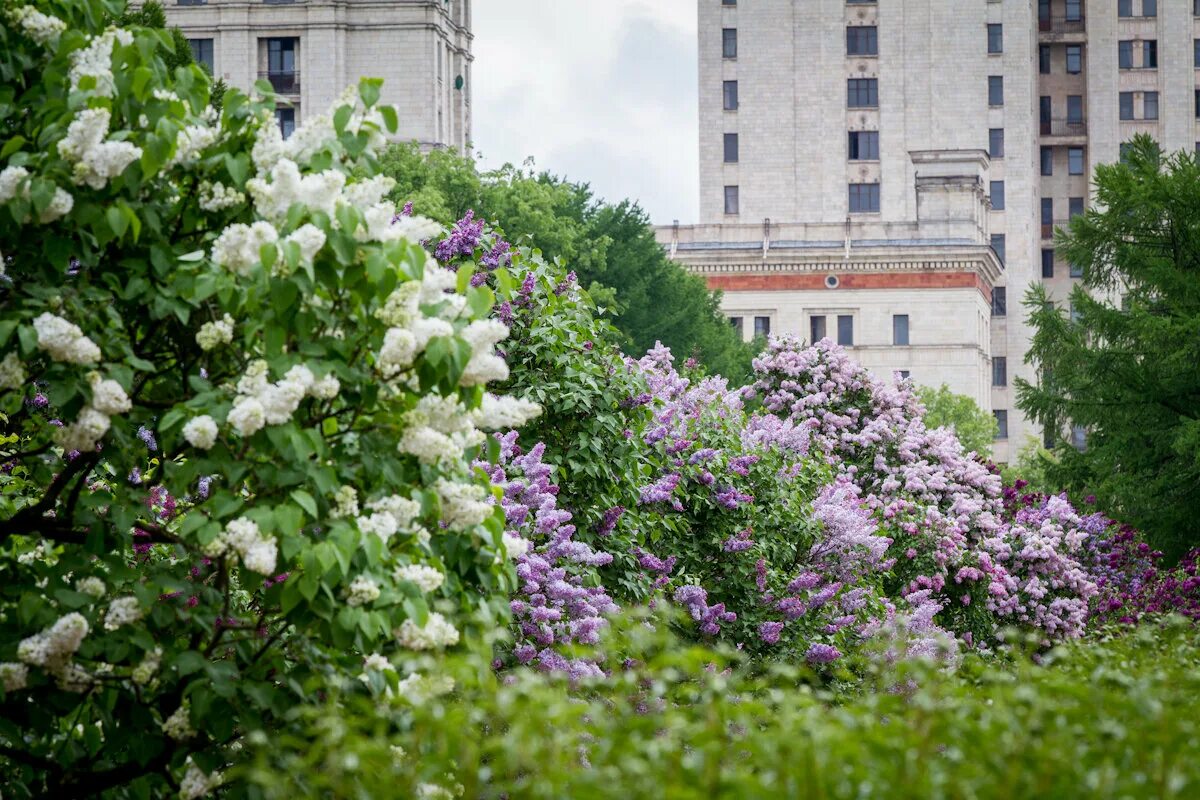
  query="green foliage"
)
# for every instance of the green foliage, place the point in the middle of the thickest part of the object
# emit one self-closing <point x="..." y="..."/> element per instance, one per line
<point x="611" y="247"/>
<point x="1122" y="366"/>
<point x="1112" y="718"/>
<point x="151" y="15"/>
<point x="975" y="428"/>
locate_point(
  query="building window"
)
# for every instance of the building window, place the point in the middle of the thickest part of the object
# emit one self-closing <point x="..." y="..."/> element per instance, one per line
<point x="729" y="2"/>
<point x="1196" y="54"/>
<point x="997" y="195"/>
<point x="1075" y="207"/>
<point x="864" y="146"/>
<point x="729" y="42"/>
<point x="1150" y="54"/>
<point x="845" y="330"/>
<point x="816" y="329"/>
<point x="1047" y="154"/>
<point x="905" y="374"/>
<point x="286" y="117"/>
<point x="995" y="38"/>
<point x="1126" y="105"/>
<point x="995" y="90"/>
<point x="762" y="326"/>
<point x="731" y="148"/>
<point x="1074" y="59"/>
<point x="862" y="40"/>
<point x="999" y="302"/>
<point x="996" y="143"/>
<point x="998" y="246"/>
<point x="999" y="371"/>
<point x="1001" y="423"/>
<point x="1150" y="105"/>
<point x="1047" y="217"/>
<point x="202" y="53"/>
<point x="1048" y="438"/>
<point x="1076" y="271"/>
<point x="1044" y="59"/>
<point x="729" y="95"/>
<point x="862" y="93"/>
<point x="1198" y="104"/>
<point x="1124" y="8"/>
<point x="1045" y="109"/>
<point x="1074" y="10"/>
<point x="736" y="324"/>
<point x="1074" y="109"/>
<point x="864" y="198"/>
<point x="1075" y="160"/>
<point x="731" y="199"/>
<point x="1125" y="55"/>
<point x="1078" y="437"/>
<point x="900" y="329"/>
<point x="281" y="65"/>
<point x="1149" y="8"/>
<point x="1047" y="262"/>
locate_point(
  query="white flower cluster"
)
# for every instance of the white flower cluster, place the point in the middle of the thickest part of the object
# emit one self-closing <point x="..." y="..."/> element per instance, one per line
<point x="243" y="537"/>
<point x="504" y="413"/>
<point x="216" y="333"/>
<point x="426" y="578"/>
<point x="217" y="196"/>
<point x="52" y="648"/>
<point x="432" y="791"/>
<point x="12" y="373"/>
<point x="144" y="672"/>
<point x="179" y="725"/>
<point x="515" y="546"/>
<point x="362" y="591"/>
<point x="315" y="134"/>
<point x="436" y="634"/>
<point x="464" y="505"/>
<point x="108" y="397"/>
<point x="201" y="432"/>
<point x="13" y="676"/>
<point x="260" y="402"/>
<point x="95" y="60"/>
<point x="319" y="191"/>
<point x="189" y="143"/>
<point x="390" y="514"/>
<point x="309" y="238"/>
<point x="12" y="184"/>
<point x="95" y="160"/>
<point x="378" y="663"/>
<point x="64" y="341"/>
<point x="483" y="335"/>
<point x="122" y="611"/>
<point x="196" y="783"/>
<point x="238" y="247"/>
<point x="419" y="689"/>
<point x="42" y="28"/>
<point x="91" y="586"/>
<point x="345" y="503"/>
<point x="438" y="430"/>
<point x="94" y="420"/>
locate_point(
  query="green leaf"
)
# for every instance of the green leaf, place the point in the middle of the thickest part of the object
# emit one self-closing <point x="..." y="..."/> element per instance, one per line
<point x="306" y="501"/>
<point x="368" y="90"/>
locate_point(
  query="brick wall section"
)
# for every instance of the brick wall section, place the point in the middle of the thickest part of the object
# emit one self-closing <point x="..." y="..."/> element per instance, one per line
<point x="905" y="280"/>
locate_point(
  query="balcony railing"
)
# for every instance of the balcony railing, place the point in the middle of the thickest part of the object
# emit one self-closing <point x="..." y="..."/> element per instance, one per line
<point x="283" y="82"/>
<point x="1049" y="228"/>
<point x="1063" y="25"/>
<point x="1071" y="126"/>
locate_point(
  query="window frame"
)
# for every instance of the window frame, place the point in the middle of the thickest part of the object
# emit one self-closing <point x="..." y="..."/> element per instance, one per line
<point x="995" y="135"/>
<point x="999" y="301"/>
<point x="729" y="43"/>
<point x="1076" y="155"/>
<point x="1047" y="263"/>
<point x="862" y="146"/>
<point x="995" y="91"/>
<point x="729" y="90"/>
<point x="1146" y="105"/>
<point x="1078" y="48"/>
<point x="864" y="45"/>
<point x="866" y="196"/>
<point x="862" y="93"/>
<point x="726" y="140"/>
<point x="999" y="371"/>
<point x="816" y="321"/>
<point x="732" y="191"/>
<point x="995" y="38"/>
<point x="996" y="191"/>
<point x="848" y="329"/>
<point x="901" y="332"/>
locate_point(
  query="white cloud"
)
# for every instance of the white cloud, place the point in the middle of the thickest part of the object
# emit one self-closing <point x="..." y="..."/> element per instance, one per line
<point x="600" y="91"/>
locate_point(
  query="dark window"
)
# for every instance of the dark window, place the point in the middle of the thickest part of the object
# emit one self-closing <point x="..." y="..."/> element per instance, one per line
<point x="731" y="199"/>
<point x="1150" y="54"/>
<point x="1044" y="59"/>
<point x="864" y="146"/>
<point x="1149" y="8"/>
<point x="1078" y="437"/>
<point x="1196" y="54"/>
<point x="281" y="65"/>
<point x="997" y="195"/>
<point x="762" y="326"/>
<point x="864" y="198"/>
<point x="1076" y="271"/>
<point x="1125" y="55"/>
<point x="996" y="142"/>
<point x="1075" y="206"/>
<point x="845" y="330"/>
<point x="999" y="371"/>
<point x="1196" y="8"/>
<point x="731" y="148"/>
<point x="1044" y="10"/>
<point x="202" y="52"/>
<point x="736" y="322"/>
<point x="1047" y="211"/>
<point x="900" y="329"/>
<point x="862" y="93"/>
<point x="862" y="40"/>
<point x="1075" y="160"/>
<point x="995" y="38"/>
<point x="999" y="302"/>
<point x="1074" y="10"/>
<point x="286" y="117"/>
<point x="1075" y="108"/>
<point x="1047" y="263"/>
<point x="1074" y="59"/>
<point x="729" y="42"/>
<point x="1124" y="8"/>
<point x="995" y="90"/>
<point x="1045" y="109"/>
<point x="1126" y="105"/>
<point x="998" y="246"/>
<point x="729" y="95"/>
<point x="729" y="2"/>
<point x="816" y="329"/>
<point x="1048" y="437"/>
<point x="1047" y="160"/>
<point x="1001" y="423"/>
<point x="1150" y="105"/>
<point x="905" y="374"/>
<point x="1198" y="104"/>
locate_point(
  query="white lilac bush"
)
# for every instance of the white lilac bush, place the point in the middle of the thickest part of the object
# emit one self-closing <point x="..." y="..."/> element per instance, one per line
<point x="239" y="410"/>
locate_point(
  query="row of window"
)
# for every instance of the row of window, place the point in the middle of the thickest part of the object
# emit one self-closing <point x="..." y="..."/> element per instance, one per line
<point x="863" y="198"/>
<point x="861" y="146"/>
<point x="818" y="328"/>
<point x="1076" y="156"/>
<point x="1076" y="271"/>
<point x="1074" y="59"/>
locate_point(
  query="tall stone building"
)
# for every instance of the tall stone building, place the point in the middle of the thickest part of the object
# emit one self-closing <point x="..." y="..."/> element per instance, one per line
<point x="890" y="172"/>
<point x="310" y="50"/>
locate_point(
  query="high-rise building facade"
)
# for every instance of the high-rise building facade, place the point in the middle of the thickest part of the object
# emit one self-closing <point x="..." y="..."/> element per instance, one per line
<point x="838" y="140"/>
<point x="310" y="50"/>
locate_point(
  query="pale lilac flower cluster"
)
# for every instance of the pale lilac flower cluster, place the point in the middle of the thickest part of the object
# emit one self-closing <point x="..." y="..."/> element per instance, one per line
<point x="709" y="618"/>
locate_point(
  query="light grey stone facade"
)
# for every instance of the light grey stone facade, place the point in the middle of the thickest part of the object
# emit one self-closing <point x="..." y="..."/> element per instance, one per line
<point x="311" y="50"/>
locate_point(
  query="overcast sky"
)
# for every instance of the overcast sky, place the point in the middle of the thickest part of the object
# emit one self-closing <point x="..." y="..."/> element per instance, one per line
<point x="601" y="91"/>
